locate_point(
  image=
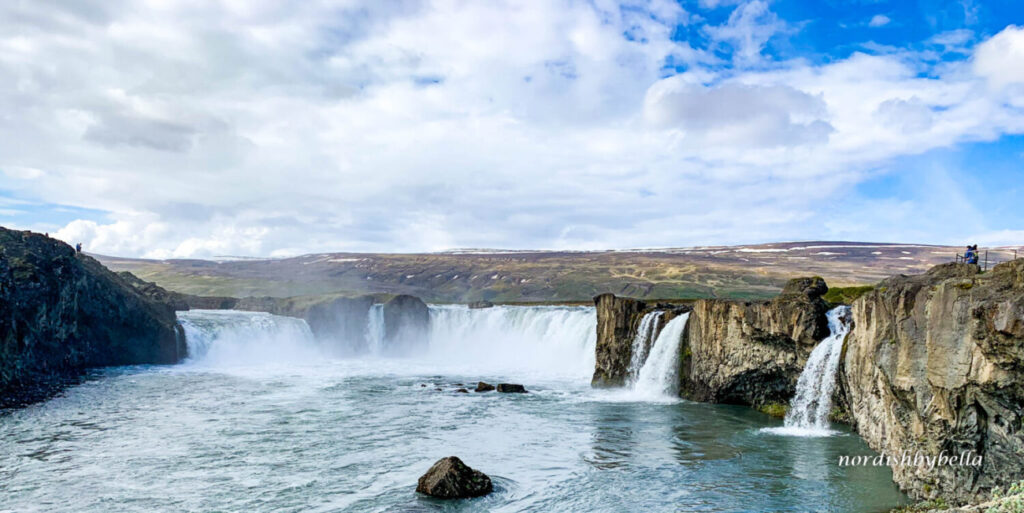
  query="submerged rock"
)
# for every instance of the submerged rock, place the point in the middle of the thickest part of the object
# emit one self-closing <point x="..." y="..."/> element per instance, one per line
<point x="511" y="388"/>
<point x="461" y="391"/>
<point x="450" y="478"/>
<point x="484" y="387"/>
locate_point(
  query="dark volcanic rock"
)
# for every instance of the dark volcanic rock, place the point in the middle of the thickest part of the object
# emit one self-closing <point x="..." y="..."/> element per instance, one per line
<point x="450" y="478"/>
<point x="511" y="388"/>
<point x="155" y="292"/>
<point x="484" y="387"/>
<point x="62" y="312"/>
<point x="480" y="304"/>
<point x="337" y="321"/>
<point x="461" y="391"/>
<point x="406" y="321"/>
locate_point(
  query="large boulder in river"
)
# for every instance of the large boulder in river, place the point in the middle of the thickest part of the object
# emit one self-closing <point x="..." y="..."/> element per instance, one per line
<point x="511" y="388"/>
<point x="62" y="312"/>
<point x="406" y="323"/>
<point x="450" y="478"/>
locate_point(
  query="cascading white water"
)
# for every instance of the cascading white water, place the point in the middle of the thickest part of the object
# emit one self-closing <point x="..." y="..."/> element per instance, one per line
<point x="659" y="376"/>
<point x="235" y="338"/>
<point x="642" y="344"/>
<point x="375" y="328"/>
<point x="538" y="341"/>
<point x="809" y="409"/>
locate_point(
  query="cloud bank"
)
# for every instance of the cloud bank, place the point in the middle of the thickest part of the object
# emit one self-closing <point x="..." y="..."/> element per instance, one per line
<point x="270" y="128"/>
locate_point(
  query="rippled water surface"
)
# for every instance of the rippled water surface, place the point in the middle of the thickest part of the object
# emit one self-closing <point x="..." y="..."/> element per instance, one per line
<point x="354" y="435"/>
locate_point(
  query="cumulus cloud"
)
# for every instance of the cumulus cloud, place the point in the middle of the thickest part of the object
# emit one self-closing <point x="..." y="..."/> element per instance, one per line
<point x="879" y="20"/>
<point x="266" y="128"/>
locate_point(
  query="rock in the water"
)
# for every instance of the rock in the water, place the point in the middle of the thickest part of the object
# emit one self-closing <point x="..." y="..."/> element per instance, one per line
<point x="480" y="304"/>
<point x="511" y="388"/>
<point x="450" y="478"/>
<point x="461" y="391"/>
<point x="484" y="387"/>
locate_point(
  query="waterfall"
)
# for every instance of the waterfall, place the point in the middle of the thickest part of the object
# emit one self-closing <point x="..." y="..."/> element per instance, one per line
<point x="810" y="407"/>
<point x="235" y="338"/>
<point x="515" y="342"/>
<point x="542" y="341"/>
<point x="642" y="344"/>
<point x="659" y="376"/>
<point x="375" y="328"/>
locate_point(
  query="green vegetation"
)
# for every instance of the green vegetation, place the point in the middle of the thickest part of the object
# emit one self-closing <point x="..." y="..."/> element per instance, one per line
<point x="1010" y="501"/>
<point x="922" y="507"/>
<point x="777" y="410"/>
<point x="846" y="295"/>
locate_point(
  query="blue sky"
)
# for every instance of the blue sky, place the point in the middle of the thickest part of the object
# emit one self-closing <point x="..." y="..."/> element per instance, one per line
<point x="264" y="128"/>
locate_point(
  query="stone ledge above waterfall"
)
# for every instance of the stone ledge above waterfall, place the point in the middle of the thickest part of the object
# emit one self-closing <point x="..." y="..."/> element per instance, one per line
<point x="752" y="352"/>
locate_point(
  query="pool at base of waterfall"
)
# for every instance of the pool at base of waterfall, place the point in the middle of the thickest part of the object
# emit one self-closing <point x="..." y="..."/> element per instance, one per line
<point x="322" y="434"/>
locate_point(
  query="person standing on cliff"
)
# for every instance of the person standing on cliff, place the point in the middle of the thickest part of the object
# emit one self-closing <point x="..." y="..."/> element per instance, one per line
<point x="78" y="247"/>
<point x="971" y="256"/>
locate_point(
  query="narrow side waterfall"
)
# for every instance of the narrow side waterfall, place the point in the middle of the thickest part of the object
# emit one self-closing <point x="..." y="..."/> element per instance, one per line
<point x="810" y="407"/>
<point x="375" y="328"/>
<point x="539" y="341"/>
<point x="235" y="338"/>
<point x="659" y="376"/>
<point x="642" y="344"/>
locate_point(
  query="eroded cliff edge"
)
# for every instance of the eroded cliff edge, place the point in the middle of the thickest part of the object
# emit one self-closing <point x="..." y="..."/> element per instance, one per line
<point x="935" y="363"/>
<point x="62" y="312"/>
<point x="752" y="352"/>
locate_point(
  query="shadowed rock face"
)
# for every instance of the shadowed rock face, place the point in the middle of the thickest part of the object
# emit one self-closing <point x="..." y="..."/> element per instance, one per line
<point x="752" y="352"/>
<point x="935" y="363"/>
<point x="62" y="312"/>
<point x="406" y="320"/>
<point x="450" y="478"/>
<point x="338" y="322"/>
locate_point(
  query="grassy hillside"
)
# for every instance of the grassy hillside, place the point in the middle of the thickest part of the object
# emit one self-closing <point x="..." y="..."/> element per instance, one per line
<point x="740" y="272"/>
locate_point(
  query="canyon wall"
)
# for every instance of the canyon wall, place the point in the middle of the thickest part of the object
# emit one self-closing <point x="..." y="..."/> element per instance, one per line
<point x="935" y="363"/>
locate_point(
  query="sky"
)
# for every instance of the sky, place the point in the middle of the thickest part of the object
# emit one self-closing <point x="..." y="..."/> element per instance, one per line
<point x="200" y="128"/>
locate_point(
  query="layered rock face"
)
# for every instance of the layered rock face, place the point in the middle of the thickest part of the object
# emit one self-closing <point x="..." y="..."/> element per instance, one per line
<point x="752" y="352"/>
<point x="936" y="363"/>
<point x="617" y="321"/>
<point x="62" y="312"/>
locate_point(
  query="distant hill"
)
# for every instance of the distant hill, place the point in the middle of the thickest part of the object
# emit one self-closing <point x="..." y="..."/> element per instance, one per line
<point x="751" y="271"/>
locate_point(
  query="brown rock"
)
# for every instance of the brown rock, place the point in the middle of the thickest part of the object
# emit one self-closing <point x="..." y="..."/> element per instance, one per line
<point x="450" y="478"/>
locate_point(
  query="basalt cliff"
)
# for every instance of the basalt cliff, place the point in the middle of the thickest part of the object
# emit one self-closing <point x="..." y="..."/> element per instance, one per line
<point x="935" y="364"/>
<point x="62" y="312"/>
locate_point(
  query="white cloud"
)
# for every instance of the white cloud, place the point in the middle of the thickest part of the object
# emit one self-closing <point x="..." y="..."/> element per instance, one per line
<point x="1000" y="58"/>
<point x="260" y="128"/>
<point x="879" y="20"/>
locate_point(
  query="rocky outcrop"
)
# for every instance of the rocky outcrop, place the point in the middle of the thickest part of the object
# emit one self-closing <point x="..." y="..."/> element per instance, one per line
<point x="617" y="321"/>
<point x="62" y="312"/>
<point x="337" y="321"/>
<point x="406" y="321"/>
<point x="752" y="352"/>
<point x="450" y="478"/>
<point x="484" y="387"/>
<point x="935" y="363"/>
